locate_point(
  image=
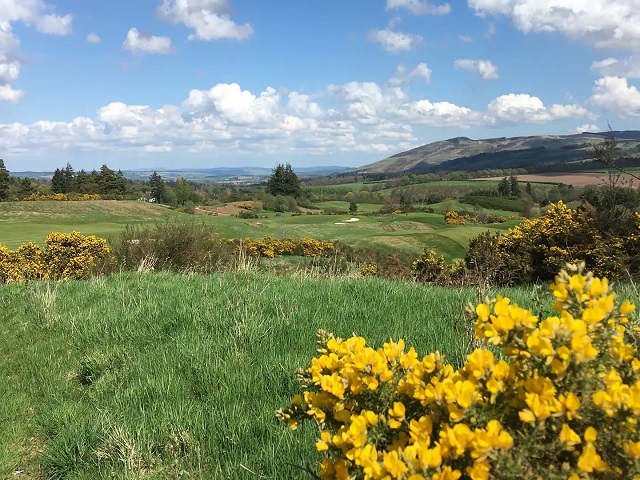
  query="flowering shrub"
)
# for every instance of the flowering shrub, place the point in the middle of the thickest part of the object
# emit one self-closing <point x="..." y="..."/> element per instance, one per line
<point x="428" y="267"/>
<point x="369" y="270"/>
<point x="273" y="247"/>
<point x="561" y="401"/>
<point x="452" y="218"/>
<point x="62" y="197"/>
<point x="536" y="249"/>
<point x="65" y="256"/>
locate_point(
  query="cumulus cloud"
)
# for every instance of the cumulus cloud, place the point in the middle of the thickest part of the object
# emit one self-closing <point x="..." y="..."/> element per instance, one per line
<point x="606" y="24"/>
<point x="612" y="67"/>
<point x="486" y="69"/>
<point x="227" y="119"/>
<point x="32" y="13"/>
<point x="587" y="127"/>
<point x="9" y="94"/>
<point x="137" y="42"/>
<point x="209" y="19"/>
<point x="93" y="38"/>
<point x="419" y="7"/>
<point x="614" y="94"/>
<point x="514" y="109"/>
<point x="395" y="42"/>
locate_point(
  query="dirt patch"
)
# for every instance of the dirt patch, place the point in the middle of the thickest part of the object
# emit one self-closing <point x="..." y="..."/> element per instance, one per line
<point x="575" y="179"/>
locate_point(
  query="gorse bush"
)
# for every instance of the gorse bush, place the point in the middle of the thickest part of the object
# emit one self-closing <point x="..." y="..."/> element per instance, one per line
<point x="561" y="400"/>
<point x="66" y="256"/>
<point x="274" y="247"/>
<point x="536" y="249"/>
<point x="62" y="197"/>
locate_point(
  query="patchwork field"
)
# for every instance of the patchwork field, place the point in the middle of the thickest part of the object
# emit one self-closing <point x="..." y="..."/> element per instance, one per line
<point x="575" y="179"/>
<point x="32" y="221"/>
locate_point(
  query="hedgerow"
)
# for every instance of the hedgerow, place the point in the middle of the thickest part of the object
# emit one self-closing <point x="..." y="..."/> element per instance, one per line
<point x="559" y="401"/>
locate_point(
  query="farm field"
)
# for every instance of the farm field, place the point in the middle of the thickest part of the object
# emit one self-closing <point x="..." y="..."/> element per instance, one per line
<point x="571" y="178"/>
<point x="169" y="376"/>
<point x="344" y="205"/>
<point x="32" y="221"/>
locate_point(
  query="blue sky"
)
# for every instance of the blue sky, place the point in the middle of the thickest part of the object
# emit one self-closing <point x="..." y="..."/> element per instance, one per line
<point x="208" y="83"/>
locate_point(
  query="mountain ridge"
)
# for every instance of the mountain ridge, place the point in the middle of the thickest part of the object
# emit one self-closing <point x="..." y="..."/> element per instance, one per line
<point x="522" y="151"/>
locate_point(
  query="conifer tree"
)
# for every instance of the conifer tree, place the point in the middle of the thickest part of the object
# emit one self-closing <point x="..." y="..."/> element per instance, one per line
<point x="4" y="182"/>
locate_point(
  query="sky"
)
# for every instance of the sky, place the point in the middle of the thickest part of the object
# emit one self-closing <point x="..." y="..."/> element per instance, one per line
<point x="217" y="83"/>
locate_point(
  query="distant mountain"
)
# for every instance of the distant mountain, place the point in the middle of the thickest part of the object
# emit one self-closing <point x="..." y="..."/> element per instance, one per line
<point x="462" y="153"/>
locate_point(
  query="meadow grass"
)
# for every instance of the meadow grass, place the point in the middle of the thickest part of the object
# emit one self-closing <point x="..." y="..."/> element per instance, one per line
<point x="158" y="374"/>
<point x="161" y="375"/>
<point x="32" y="221"/>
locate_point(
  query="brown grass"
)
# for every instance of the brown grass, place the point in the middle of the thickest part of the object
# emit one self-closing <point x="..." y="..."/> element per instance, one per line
<point x="575" y="179"/>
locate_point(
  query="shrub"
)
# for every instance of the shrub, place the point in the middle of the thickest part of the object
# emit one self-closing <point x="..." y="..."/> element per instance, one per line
<point x="560" y="402"/>
<point x="66" y="256"/>
<point x="428" y="267"/>
<point x="173" y="246"/>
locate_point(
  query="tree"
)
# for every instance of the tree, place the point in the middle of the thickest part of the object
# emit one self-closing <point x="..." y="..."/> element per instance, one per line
<point x="183" y="190"/>
<point x="514" y="186"/>
<point x="284" y="181"/>
<point x="353" y="208"/>
<point x="26" y="188"/>
<point x="529" y="189"/>
<point x="504" y="187"/>
<point x="110" y="182"/>
<point x="158" y="188"/>
<point x="68" y="178"/>
<point x="4" y="182"/>
<point x="58" y="182"/>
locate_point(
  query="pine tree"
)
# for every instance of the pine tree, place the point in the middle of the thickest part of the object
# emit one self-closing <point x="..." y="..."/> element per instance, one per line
<point x="284" y="181"/>
<point x="504" y="187"/>
<point x="26" y="188"/>
<point x="68" y="179"/>
<point x="4" y="182"/>
<point x="58" y="182"/>
<point x="158" y="188"/>
<point x="514" y="186"/>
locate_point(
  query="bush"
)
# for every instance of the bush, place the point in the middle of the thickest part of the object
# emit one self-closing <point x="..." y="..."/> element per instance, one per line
<point x="66" y="256"/>
<point x="173" y="246"/>
<point x="560" y="402"/>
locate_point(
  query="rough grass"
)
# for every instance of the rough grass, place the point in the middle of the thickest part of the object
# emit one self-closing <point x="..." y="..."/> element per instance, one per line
<point x="156" y="374"/>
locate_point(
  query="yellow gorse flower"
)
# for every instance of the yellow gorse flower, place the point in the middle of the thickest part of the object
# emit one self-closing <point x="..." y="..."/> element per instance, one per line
<point x="519" y="411"/>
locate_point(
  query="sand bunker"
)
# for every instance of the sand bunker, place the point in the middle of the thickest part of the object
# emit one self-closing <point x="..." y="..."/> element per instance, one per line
<point x="352" y="220"/>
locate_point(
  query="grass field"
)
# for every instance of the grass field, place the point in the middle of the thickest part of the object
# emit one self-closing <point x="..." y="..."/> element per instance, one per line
<point x="32" y="221"/>
<point x="344" y="205"/>
<point x="167" y="376"/>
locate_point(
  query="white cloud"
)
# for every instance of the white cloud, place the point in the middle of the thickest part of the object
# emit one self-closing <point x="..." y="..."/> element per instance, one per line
<point x="54" y="25"/>
<point x="32" y="13"/>
<point x="228" y="120"/>
<point x="486" y="69"/>
<point x="9" y="94"/>
<point x="421" y="70"/>
<point x="140" y="43"/>
<point x="419" y="7"/>
<point x="612" y="67"/>
<point x="93" y="38"/>
<point x="210" y="19"/>
<point x="515" y="109"/>
<point x="465" y="38"/>
<point x="614" y="94"/>
<point x="587" y="127"/>
<point x="606" y="24"/>
<point x="395" y="42"/>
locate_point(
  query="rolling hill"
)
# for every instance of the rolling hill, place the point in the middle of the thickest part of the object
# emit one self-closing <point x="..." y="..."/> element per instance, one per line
<point x="462" y="153"/>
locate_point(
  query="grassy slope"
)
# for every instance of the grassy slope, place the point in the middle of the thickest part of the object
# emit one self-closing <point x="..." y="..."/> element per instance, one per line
<point x="208" y="359"/>
<point x="26" y="221"/>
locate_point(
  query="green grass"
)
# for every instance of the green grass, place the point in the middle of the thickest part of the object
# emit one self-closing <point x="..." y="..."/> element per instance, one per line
<point x="343" y="205"/>
<point x="158" y="374"/>
<point x="32" y="221"/>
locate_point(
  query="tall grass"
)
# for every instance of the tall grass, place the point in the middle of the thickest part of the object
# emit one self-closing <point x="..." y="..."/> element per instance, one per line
<point x="178" y="376"/>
